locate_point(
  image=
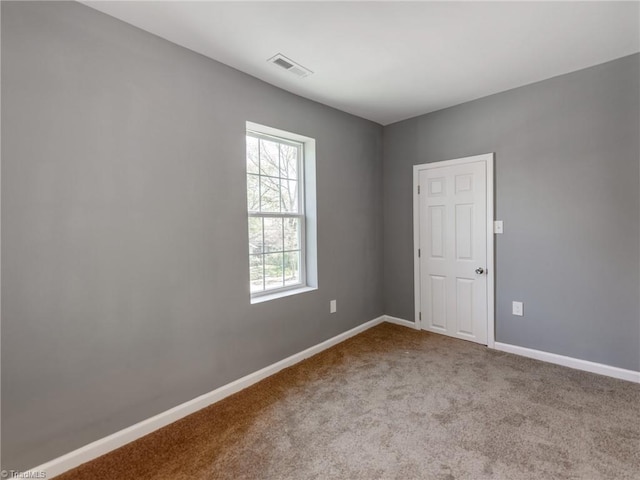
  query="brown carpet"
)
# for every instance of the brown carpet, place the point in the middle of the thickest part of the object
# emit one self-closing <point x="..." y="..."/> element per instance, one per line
<point x="394" y="403"/>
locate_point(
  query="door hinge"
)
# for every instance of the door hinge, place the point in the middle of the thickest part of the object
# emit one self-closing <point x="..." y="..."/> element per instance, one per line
<point x="418" y="189"/>
<point x="420" y="316"/>
<point x="418" y="253"/>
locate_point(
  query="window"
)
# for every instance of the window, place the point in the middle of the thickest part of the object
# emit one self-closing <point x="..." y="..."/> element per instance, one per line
<point x="276" y="211"/>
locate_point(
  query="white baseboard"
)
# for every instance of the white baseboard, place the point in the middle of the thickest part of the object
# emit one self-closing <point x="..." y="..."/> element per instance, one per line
<point x="400" y="321"/>
<point x="118" y="439"/>
<point x="615" y="372"/>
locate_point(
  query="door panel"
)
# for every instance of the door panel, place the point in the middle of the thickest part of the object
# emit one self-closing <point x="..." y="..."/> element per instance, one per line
<point x="438" y="302"/>
<point x="436" y="215"/>
<point x="452" y="235"/>
<point x="464" y="306"/>
<point x="464" y="231"/>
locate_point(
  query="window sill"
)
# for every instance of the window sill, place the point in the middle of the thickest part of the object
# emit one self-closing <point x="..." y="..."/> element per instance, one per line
<point x="286" y="293"/>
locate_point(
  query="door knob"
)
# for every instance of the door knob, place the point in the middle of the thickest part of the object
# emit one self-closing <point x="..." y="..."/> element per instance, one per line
<point x="479" y="270"/>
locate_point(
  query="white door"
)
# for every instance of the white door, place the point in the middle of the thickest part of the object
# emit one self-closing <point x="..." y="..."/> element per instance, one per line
<point x="454" y="219"/>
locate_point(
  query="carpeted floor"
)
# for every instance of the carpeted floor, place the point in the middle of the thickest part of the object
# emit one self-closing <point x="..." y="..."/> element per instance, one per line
<point x="394" y="403"/>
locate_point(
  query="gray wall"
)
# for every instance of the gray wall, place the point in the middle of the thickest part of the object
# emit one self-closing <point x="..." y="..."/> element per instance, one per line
<point x="567" y="187"/>
<point x="124" y="237"/>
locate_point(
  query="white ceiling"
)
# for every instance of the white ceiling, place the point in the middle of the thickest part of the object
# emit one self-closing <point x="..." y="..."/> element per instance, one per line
<point x="388" y="61"/>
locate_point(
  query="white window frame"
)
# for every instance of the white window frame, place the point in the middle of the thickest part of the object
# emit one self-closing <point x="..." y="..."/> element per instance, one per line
<point x="306" y="210"/>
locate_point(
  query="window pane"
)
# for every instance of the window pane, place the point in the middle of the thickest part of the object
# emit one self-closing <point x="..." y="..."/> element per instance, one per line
<point x="273" y="235"/>
<point x="253" y="193"/>
<point x="270" y="189"/>
<point x="269" y="158"/>
<point x="255" y="235"/>
<point x="289" y="189"/>
<point x="276" y="216"/>
<point x="252" y="155"/>
<point x="273" y="270"/>
<point x="256" y="272"/>
<point x="291" y="233"/>
<point x="288" y="161"/>
<point x="291" y="268"/>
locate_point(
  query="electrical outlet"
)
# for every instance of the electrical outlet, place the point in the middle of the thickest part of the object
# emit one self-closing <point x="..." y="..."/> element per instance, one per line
<point x="517" y="309"/>
<point x="498" y="226"/>
<point x="333" y="307"/>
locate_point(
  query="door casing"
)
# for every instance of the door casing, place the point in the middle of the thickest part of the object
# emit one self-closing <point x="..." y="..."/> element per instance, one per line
<point x="488" y="158"/>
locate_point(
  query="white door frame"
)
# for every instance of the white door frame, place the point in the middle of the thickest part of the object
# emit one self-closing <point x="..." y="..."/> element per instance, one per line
<point x="488" y="159"/>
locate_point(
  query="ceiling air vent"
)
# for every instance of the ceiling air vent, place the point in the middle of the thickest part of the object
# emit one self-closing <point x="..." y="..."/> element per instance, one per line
<point x="289" y="65"/>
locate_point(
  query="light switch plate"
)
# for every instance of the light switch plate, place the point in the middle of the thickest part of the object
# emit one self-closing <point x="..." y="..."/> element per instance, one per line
<point x="498" y="226"/>
<point x="517" y="309"/>
<point x="333" y="307"/>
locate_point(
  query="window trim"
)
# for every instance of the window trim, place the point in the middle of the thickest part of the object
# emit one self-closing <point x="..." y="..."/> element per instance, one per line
<point x="306" y="160"/>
